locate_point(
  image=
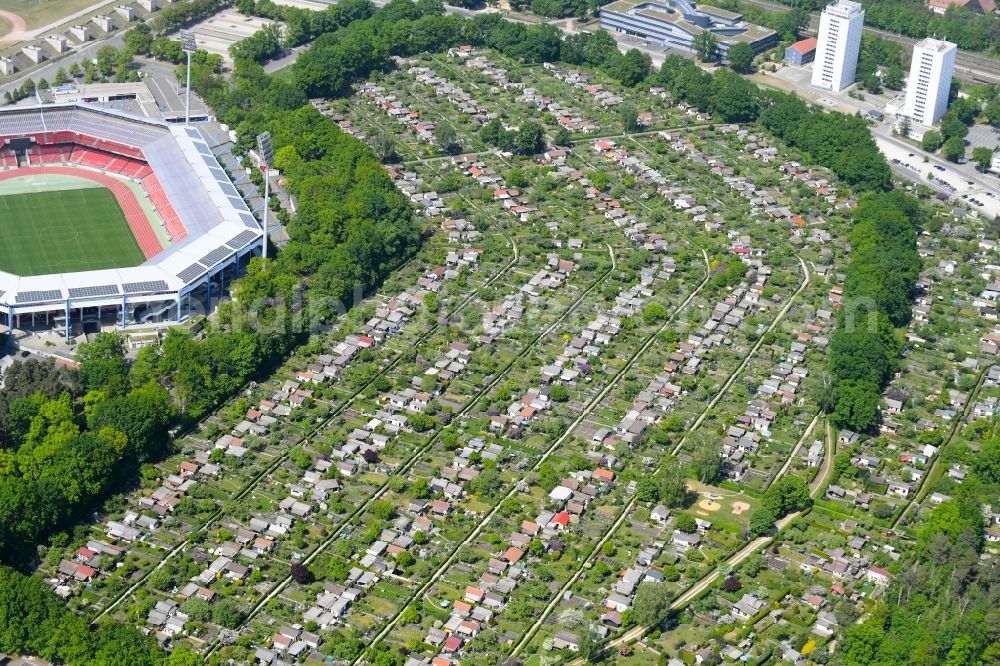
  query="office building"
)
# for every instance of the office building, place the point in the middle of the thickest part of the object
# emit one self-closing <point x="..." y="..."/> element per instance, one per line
<point x="675" y="24"/>
<point x="838" y="45"/>
<point x="930" y="81"/>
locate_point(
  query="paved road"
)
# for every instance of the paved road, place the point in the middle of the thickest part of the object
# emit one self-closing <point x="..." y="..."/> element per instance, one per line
<point x="964" y="179"/>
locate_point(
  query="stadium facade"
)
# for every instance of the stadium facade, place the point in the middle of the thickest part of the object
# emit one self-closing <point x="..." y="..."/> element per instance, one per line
<point x="212" y="233"/>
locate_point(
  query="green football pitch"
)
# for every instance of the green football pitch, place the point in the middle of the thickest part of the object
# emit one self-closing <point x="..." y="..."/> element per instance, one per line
<point x="64" y="232"/>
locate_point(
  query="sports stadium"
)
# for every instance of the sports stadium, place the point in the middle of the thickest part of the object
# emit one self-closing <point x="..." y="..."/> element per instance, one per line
<point x="109" y="219"/>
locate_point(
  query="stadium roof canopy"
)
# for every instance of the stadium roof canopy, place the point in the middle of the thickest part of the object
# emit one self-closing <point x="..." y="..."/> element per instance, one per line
<point x="216" y="218"/>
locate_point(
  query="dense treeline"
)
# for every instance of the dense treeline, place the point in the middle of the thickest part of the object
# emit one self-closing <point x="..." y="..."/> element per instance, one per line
<point x="70" y="438"/>
<point x="942" y="607"/>
<point x="970" y="30"/>
<point x="881" y="277"/>
<point x="33" y="620"/>
<point x="839" y="142"/>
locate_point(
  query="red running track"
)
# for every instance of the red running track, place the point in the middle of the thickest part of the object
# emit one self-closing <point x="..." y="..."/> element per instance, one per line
<point x="134" y="215"/>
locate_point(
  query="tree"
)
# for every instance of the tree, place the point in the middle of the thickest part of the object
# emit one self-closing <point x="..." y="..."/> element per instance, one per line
<point x="629" y="117"/>
<point x="227" y="614"/>
<point x="589" y="646"/>
<point x="106" y="57"/>
<point x="446" y="138"/>
<point x="654" y="313"/>
<point x="983" y="157"/>
<point x="382" y="509"/>
<point x="932" y="141"/>
<point x="753" y="565"/>
<point x="651" y="604"/>
<point x="685" y="522"/>
<point x="740" y="56"/>
<point x="787" y="494"/>
<point x="628" y="68"/>
<point x="706" y="46"/>
<point x="953" y="149"/>
<point x="952" y="126"/>
<point x="300" y="573"/>
<point x="706" y="463"/>
<point x="558" y="393"/>
<point x="992" y="112"/>
<point x="139" y="39"/>
<point x="102" y="363"/>
<point x="61" y="78"/>
<point x="647" y="490"/>
<point x="671" y="486"/>
<point x="384" y="146"/>
<point x="562" y="137"/>
<point x="761" y="522"/>
<point x="530" y="138"/>
<point x="571" y="618"/>
<point x="857" y="405"/>
<point x="732" y="584"/>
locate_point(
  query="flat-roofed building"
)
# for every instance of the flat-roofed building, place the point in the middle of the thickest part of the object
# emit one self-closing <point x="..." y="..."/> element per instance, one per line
<point x="676" y="23"/>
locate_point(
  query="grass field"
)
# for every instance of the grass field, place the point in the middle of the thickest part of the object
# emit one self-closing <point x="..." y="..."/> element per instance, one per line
<point x="37" y="13"/>
<point x="64" y="232"/>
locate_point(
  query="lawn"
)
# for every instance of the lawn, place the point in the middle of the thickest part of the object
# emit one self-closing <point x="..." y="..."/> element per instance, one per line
<point x="65" y="231"/>
<point x="37" y="13"/>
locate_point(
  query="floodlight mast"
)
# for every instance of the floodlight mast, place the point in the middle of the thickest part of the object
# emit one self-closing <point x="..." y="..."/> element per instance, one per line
<point x="189" y="46"/>
<point x="266" y="152"/>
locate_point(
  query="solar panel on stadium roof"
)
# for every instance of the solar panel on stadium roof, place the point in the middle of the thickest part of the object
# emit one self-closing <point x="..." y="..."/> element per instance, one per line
<point x="215" y="256"/>
<point x="192" y="272"/>
<point x="218" y="174"/>
<point x="249" y="220"/>
<point x="38" y="296"/>
<point x="85" y="292"/>
<point x="238" y="204"/>
<point x="192" y="132"/>
<point x="210" y="160"/>
<point x="202" y="148"/>
<point x="229" y="190"/>
<point x="145" y="287"/>
<point x="241" y="239"/>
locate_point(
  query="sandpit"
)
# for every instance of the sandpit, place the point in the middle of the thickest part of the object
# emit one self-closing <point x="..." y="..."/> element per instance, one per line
<point x="709" y="505"/>
<point x="739" y="507"/>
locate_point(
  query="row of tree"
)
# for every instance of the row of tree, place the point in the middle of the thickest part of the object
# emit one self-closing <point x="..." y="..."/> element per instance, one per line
<point x="837" y="141"/>
<point x="881" y="278"/>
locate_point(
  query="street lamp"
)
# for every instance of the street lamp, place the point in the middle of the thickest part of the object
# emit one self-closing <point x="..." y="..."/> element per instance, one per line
<point x="266" y="152"/>
<point x="189" y="46"/>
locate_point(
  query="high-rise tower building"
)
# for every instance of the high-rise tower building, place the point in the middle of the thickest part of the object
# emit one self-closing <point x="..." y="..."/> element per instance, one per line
<point x="838" y="45"/>
<point x="930" y="81"/>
